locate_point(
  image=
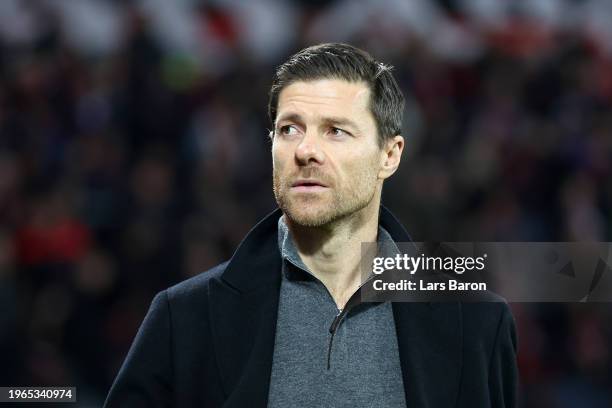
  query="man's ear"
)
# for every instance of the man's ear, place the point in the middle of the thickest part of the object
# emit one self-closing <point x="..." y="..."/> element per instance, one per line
<point x="391" y="156"/>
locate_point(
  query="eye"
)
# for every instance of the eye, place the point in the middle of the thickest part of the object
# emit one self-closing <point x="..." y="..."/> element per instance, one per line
<point x="288" y="130"/>
<point x="337" y="132"/>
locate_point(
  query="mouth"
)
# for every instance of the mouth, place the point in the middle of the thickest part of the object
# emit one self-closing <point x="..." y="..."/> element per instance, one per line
<point x="306" y="185"/>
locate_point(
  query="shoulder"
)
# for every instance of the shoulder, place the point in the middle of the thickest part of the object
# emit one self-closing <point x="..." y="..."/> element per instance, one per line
<point x="487" y="311"/>
<point x="197" y="286"/>
<point x="488" y="322"/>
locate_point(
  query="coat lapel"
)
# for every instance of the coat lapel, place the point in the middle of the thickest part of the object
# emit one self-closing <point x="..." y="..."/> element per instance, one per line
<point x="429" y="337"/>
<point x="244" y="306"/>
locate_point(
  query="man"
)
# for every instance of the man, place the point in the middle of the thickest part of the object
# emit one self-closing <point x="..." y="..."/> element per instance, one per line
<point x="281" y="324"/>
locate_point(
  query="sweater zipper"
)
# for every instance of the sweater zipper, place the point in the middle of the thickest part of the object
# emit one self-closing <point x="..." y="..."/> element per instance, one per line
<point x="332" y="332"/>
<point x="353" y="301"/>
<point x="341" y="312"/>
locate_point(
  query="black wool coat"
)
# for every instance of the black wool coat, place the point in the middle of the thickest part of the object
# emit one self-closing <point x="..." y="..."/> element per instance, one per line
<point x="209" y="341"/>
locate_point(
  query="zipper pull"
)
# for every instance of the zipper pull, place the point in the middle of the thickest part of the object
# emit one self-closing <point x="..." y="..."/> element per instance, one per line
<point x="332" y="332"/>
<point x="336" y="322"/>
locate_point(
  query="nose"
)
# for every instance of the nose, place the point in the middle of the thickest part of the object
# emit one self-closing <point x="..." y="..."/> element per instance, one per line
<point x="308" y="151"/>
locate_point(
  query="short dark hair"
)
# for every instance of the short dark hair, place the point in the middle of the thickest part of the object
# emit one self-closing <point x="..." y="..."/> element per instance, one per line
<point x="343" y="61"/>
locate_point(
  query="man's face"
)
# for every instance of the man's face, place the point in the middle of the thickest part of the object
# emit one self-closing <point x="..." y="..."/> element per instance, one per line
<point x="326" y="159"/>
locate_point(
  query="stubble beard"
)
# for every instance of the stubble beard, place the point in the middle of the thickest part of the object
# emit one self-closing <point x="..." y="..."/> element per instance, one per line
<point x="319" y="209"/>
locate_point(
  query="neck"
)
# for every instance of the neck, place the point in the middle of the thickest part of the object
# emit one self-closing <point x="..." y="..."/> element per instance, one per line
<point x="332" y="252"/>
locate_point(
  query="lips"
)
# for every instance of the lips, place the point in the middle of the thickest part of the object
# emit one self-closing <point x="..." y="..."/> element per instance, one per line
<point x="308" y="183"/>
<point x="308" y="186"/>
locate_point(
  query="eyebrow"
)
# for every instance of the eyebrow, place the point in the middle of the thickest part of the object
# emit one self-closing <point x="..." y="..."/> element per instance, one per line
<point x="328" y="120"/>
<point x="291" y="117"/>
<point x="333" y="120"/>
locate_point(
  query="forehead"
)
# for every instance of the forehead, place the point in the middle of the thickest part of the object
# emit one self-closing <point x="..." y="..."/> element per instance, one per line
<point x="325" y="96"/>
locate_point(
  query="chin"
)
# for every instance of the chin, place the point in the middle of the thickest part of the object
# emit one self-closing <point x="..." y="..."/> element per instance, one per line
<point x="308" y="218"/>
<point x="308" y="214"/>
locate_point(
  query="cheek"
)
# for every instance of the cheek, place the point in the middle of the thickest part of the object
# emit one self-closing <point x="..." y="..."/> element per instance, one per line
<point x="277" y="157"/>
<point x="361" y="169"/>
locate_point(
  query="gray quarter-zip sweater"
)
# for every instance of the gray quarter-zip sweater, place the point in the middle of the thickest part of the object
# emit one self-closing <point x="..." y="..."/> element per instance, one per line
<point x="354" y="364"/>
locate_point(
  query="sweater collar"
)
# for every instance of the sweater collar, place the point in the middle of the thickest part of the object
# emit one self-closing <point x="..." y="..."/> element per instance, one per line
<point x="257" y="260"/>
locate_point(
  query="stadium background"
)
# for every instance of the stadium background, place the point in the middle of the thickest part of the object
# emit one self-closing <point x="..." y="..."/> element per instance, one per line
<point x="134" y="154"/>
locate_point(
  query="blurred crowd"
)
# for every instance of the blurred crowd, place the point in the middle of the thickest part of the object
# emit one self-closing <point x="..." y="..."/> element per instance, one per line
<point x="134" y="154"/>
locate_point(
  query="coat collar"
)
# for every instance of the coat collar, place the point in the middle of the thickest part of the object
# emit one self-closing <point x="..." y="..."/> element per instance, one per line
<point x="244" y="309"/>
<point x="259" y="250"/>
